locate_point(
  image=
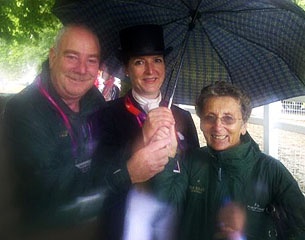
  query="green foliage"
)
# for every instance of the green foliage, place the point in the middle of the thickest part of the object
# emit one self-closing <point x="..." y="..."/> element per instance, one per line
<point x="301" y="3"/>
<point x="23" y="20"/>
<point x="27" y="31"/>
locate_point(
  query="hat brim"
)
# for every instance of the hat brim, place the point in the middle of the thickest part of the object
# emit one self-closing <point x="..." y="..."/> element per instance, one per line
<point x="121" y="54"/>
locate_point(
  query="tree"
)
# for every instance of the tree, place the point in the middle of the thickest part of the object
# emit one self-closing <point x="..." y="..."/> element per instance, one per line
<point x="27" y="31"/>
<point x="22" y="20"/>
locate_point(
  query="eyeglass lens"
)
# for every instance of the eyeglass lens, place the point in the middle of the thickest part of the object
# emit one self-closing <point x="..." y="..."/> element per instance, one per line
<point x="226" y="120"/>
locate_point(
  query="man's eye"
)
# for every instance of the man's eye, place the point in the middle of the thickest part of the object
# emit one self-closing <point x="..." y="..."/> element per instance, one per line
<point x="71" y="57"/>
<point x="93" y="61"/>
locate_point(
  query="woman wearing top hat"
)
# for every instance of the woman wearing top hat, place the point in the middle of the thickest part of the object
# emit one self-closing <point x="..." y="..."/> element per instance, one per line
<point x="132" y="121"/>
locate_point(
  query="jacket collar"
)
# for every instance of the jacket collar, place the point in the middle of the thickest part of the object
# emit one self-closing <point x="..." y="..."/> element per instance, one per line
<point x="237" y="158"/>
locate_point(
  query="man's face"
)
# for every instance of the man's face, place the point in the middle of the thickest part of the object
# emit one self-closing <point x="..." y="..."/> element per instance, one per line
<point x="74" y="64"/>
<point x="147" y="74"/>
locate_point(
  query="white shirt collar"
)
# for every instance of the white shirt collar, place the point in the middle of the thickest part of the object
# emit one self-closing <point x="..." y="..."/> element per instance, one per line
<point x="146" y="103"/>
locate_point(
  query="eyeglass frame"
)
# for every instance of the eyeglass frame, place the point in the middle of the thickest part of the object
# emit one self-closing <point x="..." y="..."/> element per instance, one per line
<point x="213" y="119"/>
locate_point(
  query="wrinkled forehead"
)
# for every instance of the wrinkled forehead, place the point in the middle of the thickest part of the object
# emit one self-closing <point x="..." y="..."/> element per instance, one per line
<point x="80" y="39"/>
<point x="221" y="105"/>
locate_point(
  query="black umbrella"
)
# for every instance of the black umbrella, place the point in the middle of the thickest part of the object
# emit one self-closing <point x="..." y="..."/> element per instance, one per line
<point x="258" y="45"/>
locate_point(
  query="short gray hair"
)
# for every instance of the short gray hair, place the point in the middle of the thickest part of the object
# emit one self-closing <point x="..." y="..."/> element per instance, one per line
<point x="65" y="28"/>
<point x="225" y="89"/>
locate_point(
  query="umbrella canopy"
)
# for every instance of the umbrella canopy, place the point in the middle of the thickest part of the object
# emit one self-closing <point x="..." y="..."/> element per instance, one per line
<point x="258" y="45"/>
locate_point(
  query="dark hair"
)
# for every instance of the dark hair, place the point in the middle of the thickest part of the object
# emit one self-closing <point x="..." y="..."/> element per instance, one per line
<point x="225" y="89"/>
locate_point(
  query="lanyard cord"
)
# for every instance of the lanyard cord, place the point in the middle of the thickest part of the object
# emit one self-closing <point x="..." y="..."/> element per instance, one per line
<point x="141" y="117"/>
<point x="45" y="93"/>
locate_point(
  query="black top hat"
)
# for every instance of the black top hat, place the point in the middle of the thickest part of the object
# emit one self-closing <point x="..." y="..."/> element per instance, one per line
<point x="142" y="40"/>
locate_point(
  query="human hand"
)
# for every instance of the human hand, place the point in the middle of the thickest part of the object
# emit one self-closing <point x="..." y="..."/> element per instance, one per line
<point x="157" y="118"/>
<point x="148" y="161"/>
<point x="165" y="132"/>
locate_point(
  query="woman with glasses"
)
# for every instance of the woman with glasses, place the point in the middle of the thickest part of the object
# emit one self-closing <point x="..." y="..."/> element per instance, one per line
<point x="231" y="189"/>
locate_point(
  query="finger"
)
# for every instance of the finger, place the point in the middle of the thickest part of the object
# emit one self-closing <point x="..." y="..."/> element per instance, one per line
<point x="158" y="137"/>
<point x="160" y="164"/>
<point x="157" y="145"/>
<point x="161" y="113"/>
<point x="163" y="131"/>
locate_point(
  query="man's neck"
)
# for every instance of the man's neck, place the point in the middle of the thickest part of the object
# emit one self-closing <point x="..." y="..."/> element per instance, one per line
<point x="72" y="104"/>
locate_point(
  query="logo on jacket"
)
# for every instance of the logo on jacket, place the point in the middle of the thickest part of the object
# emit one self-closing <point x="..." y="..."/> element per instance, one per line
<point x="196" y="189"/>
<point x="256" y="208"/>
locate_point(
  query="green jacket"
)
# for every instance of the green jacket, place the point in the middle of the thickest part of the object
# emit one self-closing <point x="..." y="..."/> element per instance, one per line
<point x="56" y="184"/>
<point x="244" y="175"/>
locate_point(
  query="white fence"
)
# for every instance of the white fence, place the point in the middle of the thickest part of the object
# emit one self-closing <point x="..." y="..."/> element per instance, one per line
<point x="282" y="126"/>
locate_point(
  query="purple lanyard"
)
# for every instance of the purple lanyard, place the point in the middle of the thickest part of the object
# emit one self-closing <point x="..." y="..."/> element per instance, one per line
<point x="45" y="93"/>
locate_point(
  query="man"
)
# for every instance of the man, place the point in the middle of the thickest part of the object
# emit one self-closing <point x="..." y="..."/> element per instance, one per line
<point x="50" y="133"/>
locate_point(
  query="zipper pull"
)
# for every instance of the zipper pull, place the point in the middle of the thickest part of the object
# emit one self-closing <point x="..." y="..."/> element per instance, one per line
<point x="219" y="174"/>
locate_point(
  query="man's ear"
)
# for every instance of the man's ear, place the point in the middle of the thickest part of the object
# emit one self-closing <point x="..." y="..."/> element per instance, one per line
<point x="52" y="56"/>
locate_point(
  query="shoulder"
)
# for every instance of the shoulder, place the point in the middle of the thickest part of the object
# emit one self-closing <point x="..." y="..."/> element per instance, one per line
<point x="269" y="163"/>
<point x="116" y="102"/>
<point x="95" y="95"/>
<point x="181" y="114"/>
<point x="115" y="106"/>
<point x="24" y="101"/>
<point x="114" y="111"/>
<point x="197" y="158"/>
<point x="179" y="110"/>
<point x="272" y="169"/>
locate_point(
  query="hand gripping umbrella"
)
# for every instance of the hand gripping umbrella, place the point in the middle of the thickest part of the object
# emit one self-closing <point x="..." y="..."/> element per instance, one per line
<point x="258" y="45"/>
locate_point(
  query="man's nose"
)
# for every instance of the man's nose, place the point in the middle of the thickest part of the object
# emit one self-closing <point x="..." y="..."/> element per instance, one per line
<point x="82" y="66"/>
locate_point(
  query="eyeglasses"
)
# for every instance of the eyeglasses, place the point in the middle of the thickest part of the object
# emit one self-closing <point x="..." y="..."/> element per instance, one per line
<point x="225" y="120"/>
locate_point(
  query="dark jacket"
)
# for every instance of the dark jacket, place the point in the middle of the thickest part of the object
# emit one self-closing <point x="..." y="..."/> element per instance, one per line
<point x="55" y="183"/>
<point x="120" y="130"/>
<point x="243" y="175"/>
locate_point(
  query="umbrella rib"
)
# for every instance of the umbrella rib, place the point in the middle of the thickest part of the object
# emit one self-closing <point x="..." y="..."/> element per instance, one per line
<point x="242" y="10"/>
<point x="219" y="55"/>
<point x="182" y="50"/>
<point x="185" y="4"/>
<point x="147" y="4"/>
<point x="250" y="41"/>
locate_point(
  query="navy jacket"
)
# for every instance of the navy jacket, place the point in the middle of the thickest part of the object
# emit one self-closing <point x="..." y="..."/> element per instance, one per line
<point x="54" y="178"/>
<point x="120" y="130"/>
